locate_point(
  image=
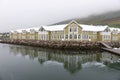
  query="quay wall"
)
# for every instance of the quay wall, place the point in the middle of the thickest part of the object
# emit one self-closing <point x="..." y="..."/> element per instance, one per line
<point x="71" y="45"/>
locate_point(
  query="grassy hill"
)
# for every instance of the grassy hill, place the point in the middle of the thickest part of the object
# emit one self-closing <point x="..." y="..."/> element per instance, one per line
<point x="110" y="18"/>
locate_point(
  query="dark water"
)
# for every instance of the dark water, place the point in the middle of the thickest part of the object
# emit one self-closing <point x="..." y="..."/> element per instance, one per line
<point x="28" y="63"/>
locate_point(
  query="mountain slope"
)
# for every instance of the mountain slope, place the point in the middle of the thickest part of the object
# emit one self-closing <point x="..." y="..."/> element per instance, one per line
<point x="109" y="18"/>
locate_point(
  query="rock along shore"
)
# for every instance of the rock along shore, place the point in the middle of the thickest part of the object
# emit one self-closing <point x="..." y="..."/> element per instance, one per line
<point x="70" y="45"/>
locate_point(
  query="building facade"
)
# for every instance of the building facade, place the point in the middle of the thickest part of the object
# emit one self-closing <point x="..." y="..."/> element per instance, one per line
<point x="68" y="32"/>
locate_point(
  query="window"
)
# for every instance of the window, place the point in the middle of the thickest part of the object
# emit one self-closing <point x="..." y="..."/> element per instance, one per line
<point x="106" y="37"/>
<point x="70" y="29"/>
<point x="95" y="37"/>
<point x="107" y="30"/>
<point x="62" y="36"/>
<point x="66" y="37"/>
<point x="85" y="37"/>
<point x="42" y="29"/>
<point x="113" y="38"/>
<point x="70" y="36"/>
<point x="32" y="31"/>
<point x="58" y="36"/>
<point x="116" y="38"/>
<point x="94" y="32"/>
<point x="79" y="36"/>
<point x="75" y="36"/>
<point x="85" y="32"/>
<point x="54" y="36"/>
<point x="89" y="37"/>
<point x="75" y="29"/>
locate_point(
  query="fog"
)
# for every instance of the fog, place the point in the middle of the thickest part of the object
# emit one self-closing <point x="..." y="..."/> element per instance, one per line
<point x="16" y="14"/>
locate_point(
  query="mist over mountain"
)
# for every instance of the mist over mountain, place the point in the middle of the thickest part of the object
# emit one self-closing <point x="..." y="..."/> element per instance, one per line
<point x="110" y="18"/>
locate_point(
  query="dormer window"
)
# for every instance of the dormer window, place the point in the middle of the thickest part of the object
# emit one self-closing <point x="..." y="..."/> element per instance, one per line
<point x="24" y="31"/>
<point x="107" y="30"/>
<point x="15" y="31"/>
<point x="94" y="32"/>
<point x="32" y="31"/>
<point x="42" y="29"/>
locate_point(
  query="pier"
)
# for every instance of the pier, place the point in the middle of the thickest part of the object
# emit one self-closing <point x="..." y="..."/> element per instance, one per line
<point x="115" y="51"/>
<point x="109" y="48"/>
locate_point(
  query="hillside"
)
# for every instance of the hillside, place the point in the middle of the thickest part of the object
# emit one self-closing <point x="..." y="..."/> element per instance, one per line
<point x="110" y="18"/>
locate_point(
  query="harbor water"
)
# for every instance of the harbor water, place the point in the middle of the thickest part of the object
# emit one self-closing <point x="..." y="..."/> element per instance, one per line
<point x="33" y="63"/>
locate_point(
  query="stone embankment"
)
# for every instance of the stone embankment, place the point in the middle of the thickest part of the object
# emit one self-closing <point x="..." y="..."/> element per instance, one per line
<point x="72" y="45"/>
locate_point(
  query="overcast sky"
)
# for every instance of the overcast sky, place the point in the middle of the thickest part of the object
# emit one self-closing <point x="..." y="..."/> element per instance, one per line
<point x="16" y="14"/>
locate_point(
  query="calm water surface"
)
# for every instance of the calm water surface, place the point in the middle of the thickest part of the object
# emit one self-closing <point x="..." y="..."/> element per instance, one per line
<point x="28" y="63"/>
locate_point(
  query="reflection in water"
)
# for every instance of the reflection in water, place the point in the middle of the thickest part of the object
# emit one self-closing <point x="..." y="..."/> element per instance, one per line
<point x="72" y="61"/>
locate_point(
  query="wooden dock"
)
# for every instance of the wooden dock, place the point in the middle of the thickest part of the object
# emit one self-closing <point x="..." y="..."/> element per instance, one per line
<point x="115" y="51"/>
<point x="109" y="48"/>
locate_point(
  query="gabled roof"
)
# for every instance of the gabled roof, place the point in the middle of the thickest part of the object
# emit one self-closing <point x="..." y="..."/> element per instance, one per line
<point x="34" y="28"/>
<point x="11" y="31"/>
<point x="93" y="28"/>
<point x="61" y="27"/>
<point x="118" y="29"/>
<point x="73" y="21"/>
<point x="27" y="29"/>
<point x="19" y="30"/>
<point x="55" y="27"/>
<point x="84" y="27"/>
<point x="89" y="27"/>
